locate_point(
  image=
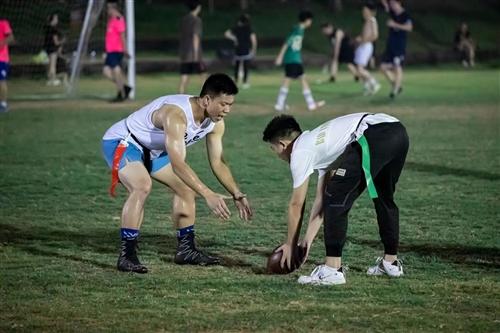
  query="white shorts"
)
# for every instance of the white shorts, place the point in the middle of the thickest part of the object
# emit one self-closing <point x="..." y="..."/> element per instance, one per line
<point x="363" y="54"/>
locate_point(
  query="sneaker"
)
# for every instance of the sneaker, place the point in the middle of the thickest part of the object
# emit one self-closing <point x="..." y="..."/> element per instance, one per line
<point x="119" y="98"/>
<point x="317" y="105"/>
<point x="127" y="90"/>
<point x="393" y="94"/>
<point x="127" y="260"/>
<point x="188" y="254"/>
<point x="280" y="108"/>
<point x="246" y="85"/>
<point x="375" y="88"/>
<point x="382" y="267"/>
<point x="323" y="275"/>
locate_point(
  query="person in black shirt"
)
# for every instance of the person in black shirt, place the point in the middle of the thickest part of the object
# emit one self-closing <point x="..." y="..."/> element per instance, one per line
<point x="399" y="25"/>
<point x="53" y="44"/>
<point x="245" y="43"/>
<point x="342" y="50"/>
<point x="465" y="45"/>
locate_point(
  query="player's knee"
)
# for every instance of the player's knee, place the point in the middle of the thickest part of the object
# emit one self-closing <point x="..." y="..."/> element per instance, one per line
<point x="143" y="188"/>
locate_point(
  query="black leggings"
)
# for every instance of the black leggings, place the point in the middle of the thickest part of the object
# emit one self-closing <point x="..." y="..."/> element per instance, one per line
<point x="388" y="148"/>
<point x="245" y="69"/>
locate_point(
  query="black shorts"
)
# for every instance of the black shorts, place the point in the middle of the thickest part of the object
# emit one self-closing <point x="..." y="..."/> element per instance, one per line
<point x="192" y="68"/>
<point x="393" y="57"/>
<point x="346" y="55"/>
<point x="294" y="71"/>
<point x="113" y="59"/>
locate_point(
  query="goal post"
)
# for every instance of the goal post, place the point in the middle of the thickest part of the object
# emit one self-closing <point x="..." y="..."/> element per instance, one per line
<point x="129" y="16"/>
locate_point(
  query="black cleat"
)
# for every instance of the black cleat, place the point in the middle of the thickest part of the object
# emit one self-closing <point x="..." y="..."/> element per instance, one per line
<point x="188" y="254"/>
<point x="393" y="94"/>
<point x="128" y="261"/>
<point x="127" y="90"/>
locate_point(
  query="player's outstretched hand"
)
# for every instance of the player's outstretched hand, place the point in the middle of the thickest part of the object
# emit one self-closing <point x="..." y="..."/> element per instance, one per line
<point x="216" y="203"/>
<point x="286" y="258"/>
<point x="246" y="212"/>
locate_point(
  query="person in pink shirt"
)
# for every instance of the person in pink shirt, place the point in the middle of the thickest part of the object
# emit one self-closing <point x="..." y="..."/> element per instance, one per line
<point x="6" y="37"/>
<point x="115" y="49"/>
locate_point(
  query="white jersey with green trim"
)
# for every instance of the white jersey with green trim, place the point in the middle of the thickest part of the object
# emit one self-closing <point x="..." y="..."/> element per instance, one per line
<point x="319" y="149"/>
<point x="141" y="126"/>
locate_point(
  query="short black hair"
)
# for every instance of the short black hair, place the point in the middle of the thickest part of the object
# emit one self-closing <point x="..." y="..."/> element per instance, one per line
<point x="305" y="15"/>
<point x="192" y="4"/>
<point x="244" y="19"/>
<point x="281" y="127"/>
<point x="370" y="5"/>
<point x="326" y="25"/>
<point x="218" y="84"/>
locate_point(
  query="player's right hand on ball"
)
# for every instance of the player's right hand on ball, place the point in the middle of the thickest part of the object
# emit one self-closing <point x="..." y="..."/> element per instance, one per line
<point x="216" y="203"/>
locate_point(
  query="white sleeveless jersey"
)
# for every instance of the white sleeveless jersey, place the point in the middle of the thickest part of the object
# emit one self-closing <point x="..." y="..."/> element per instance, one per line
<point x="319" y="149"/>
<point x="141" y="126"/>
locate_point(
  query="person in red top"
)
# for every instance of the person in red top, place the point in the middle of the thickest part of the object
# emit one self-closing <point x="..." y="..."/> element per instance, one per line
<point x="115" y="49"/>
<point x="6" y="37"/>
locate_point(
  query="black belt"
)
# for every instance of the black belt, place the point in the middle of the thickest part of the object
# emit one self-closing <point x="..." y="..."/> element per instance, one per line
<point x="146" y="152"/>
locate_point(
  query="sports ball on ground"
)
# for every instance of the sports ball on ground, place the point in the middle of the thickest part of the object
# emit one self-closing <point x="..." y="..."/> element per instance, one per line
<point x="274" y="260"/>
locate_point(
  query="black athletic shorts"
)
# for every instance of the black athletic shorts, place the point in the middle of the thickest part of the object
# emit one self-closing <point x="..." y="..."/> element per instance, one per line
<point x="192" y="68"/>
<point x="294" y="71"/>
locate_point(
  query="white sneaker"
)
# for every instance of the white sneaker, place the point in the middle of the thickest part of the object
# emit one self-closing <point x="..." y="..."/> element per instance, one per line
<point x="375" y="88"/>
<point x="317" y="105"/>
<point x="281" y="108"/>
<point x="382" y="267"/>
<point x="323" y="275"/>
<point x="246" y="85"/>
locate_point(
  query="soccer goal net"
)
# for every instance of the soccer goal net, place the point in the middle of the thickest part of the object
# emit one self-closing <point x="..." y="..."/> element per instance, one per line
<point x="80" y="27"/>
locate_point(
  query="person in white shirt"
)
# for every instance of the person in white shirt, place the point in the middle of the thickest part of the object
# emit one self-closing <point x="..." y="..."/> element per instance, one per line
<point x="151" y="143"/>
<point x="350" y="153"/>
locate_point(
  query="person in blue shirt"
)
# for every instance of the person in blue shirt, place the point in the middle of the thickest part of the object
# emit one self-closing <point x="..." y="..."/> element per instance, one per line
<point x="399" y="25"/>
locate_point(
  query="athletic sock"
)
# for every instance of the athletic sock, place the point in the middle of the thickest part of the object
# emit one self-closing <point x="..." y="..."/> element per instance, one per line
<point x="181" y="232"/>
<point x="309" y="99"/>
<point x="129" y="234"/>
<point x="280" y="102"/>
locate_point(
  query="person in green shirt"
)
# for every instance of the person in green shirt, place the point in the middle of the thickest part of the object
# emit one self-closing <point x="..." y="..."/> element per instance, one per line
<point x="290" y="55"/>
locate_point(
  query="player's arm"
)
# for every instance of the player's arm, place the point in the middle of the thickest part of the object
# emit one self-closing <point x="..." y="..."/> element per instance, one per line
<point x="339" y="36"/>
<point x="253" y="39"/>
<point x="229" y="35"/>
<point x="124" y="43"/>
<point x="223" y="173"/>
<point x="316" y="215"/>
<point x="295" y="214"/>
<point x="173" y="122"/>
<point x="281" y="54"/>
<point x="386" y="5"/>
<point x="408" y="26"/>
<point x="8" y="40"/>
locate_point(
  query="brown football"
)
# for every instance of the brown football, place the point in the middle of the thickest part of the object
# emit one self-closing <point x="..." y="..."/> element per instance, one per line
<point x="273" y="262"/>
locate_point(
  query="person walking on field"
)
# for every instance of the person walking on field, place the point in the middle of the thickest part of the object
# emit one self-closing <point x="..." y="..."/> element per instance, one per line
<point x="6" y="38"/>
<point x="290" y="55"/>
<point x="151" y="144"/>
<point x="364" y="50"/>
<point x="399" y="25"/>
<point x="245" y="42"/>
<point x="116" y="48"/>
<point x="191" y="30"/>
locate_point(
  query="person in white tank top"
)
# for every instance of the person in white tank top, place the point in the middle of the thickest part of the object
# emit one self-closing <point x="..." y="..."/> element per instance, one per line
<point x="350" y="153"/>
<point x="151" y="143"/>
<point x="364" y="51"/>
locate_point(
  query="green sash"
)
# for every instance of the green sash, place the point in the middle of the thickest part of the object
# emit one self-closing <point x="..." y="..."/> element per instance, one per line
<point x="365" y="163"/>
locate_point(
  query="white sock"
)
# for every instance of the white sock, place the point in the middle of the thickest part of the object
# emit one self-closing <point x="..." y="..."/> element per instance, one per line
<point x="309" y="99"/>
<point x="280" y="102"/>
<point x="372" y="81"/>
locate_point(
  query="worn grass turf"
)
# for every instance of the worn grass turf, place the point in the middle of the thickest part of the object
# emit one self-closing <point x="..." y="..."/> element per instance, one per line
<point x="59" y="229"/>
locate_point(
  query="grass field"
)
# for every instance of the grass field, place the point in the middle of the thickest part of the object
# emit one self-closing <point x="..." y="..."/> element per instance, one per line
<point x="59" y="229"/>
